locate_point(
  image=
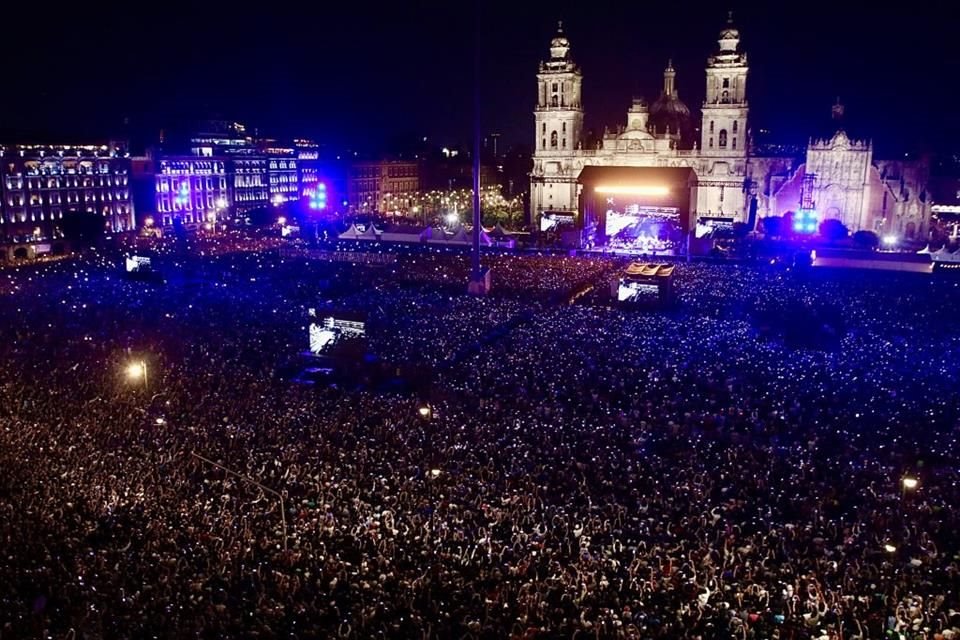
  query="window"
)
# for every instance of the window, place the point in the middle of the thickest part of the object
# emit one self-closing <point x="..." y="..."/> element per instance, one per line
<point x="554" y="87"/>
<point x="554" y="101"/>
<point x="725" y="98"/>
<point x="723" y="138"/>
<point x="543" y="143"/>
<point x="711" y="143"/>
<point x="564" y="127"/>
<point x="733" y="143"/>
<point x="726" y="83"/>
<point x="711" y="126"/>
<point x="564" y="143"/>
<point x="553" y="140"/>
<point x="735" y="126"/>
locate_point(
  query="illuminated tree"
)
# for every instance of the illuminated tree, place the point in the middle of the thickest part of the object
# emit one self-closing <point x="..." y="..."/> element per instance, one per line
<point x="833" y="230"/>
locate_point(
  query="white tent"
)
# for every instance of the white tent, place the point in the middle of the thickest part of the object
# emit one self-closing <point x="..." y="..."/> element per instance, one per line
<point x="350" y="234"/>
<point x="941" y="255"/>
<point x="436" y="235"/>
<point x="370" y="233"/>
<point x="459" y="237"/>
<point x="398" y="233"/>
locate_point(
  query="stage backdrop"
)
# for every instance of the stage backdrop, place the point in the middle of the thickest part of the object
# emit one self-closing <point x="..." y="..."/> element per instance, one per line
<point x="643" y="208"/>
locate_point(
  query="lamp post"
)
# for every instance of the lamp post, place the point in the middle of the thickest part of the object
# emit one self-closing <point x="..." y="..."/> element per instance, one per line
<point x="908" y="483"/>
<point x="136" y="370"/>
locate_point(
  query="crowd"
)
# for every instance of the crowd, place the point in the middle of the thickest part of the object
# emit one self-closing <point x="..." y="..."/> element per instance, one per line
<point x="588" y="472"/>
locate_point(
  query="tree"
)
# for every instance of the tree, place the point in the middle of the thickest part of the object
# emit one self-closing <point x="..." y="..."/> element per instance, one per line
<point x="772" y="226"/>
<point x="83" y="228"/>
<point x="786" y="223"/>
<point x="833" y="230"/>
<point x="867" y="240"/>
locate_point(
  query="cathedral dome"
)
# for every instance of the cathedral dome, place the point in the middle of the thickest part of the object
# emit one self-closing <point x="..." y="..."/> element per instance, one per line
<point x="669" y="112"/>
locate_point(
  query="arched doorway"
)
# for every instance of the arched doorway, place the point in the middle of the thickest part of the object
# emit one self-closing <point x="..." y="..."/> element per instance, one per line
<point x="910" y="230"/>
<point x="20" y="253"/>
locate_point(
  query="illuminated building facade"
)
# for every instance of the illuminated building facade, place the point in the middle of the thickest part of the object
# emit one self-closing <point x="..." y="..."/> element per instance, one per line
<point x="247" y="164"/>
<point x="251" y="183"/>
<point x="389" y="185"/>
<point x="42" y="185"/>
<point x="845" y="181"/>
<point x="192" y="189"/>
<point x="284" y="178"/>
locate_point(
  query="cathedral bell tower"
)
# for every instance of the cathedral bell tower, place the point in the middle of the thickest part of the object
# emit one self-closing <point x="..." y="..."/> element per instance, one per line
<point x="724" y="128"/>
<point x="559" y="112"/>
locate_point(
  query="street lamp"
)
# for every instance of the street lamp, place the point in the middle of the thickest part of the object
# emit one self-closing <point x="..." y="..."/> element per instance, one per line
<point x="908" y="483"/>
<point x="137" y="370"/>
<point x="889" y="548"/>
<point x="424" y="411"/>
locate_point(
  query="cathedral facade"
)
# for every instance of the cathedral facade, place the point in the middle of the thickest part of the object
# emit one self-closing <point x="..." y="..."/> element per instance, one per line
<point x="838" y="178"/>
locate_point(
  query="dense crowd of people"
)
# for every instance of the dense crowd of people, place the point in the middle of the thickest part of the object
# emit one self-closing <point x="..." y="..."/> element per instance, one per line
<point x="585" y="471"/>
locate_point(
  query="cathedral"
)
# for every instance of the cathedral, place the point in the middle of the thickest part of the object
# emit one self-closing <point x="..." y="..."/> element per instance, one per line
<point x="837" y="178"/>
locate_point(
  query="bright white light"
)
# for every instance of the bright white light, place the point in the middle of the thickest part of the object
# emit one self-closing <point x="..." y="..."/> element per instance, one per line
<point x="889" y="548"/>
<point x="910" y="483"/>
<point x="207" y="226"/>
<point x="434" y="473"/>
<point x="221" y="203"/>
<point x="161" y="421"/>
<point x="451" y="219"/>
<point x="634" y="190"/>
<point x="890" y="240"/>
<point x="424" y="411"/>
<point x="281" y="221"/>
<point x="278" y="200"/>
<point x="136" y="370"/>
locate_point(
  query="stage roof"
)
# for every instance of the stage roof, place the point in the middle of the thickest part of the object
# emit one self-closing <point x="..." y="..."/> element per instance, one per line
<point x="640" y="269"/>
<point x="639" y="176"/>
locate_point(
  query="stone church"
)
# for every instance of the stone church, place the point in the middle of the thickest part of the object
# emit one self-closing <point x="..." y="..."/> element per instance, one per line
<point x="838" y="177"/>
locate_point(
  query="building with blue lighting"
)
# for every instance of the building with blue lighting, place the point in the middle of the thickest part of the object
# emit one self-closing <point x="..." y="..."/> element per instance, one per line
<point x="41" y="186"/>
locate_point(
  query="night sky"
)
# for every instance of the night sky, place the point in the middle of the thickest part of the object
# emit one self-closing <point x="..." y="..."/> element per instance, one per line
<point x="357" y="74"/>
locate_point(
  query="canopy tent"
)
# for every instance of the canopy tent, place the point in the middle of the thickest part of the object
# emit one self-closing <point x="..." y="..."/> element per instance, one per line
<point x="436" y="235"/>
<point x="640" y="269"/>
<point x="404" y="233"/>
<point x="370" y="233"/>
<point x="350" y="234"/>
<point x="945" y="255"/>
<point x="500" y="232"/>
<point x="459" y="237"/>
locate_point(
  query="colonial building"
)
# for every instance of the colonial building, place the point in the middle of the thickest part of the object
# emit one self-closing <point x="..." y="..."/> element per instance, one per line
<point x="42" y="185"/>
<point x="193" y="189"/>
<point x="383" y="186"/>
<point x="838" y="177"/>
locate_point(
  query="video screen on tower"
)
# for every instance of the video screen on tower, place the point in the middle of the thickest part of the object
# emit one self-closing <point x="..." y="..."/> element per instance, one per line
<point x="639" y="227"/>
